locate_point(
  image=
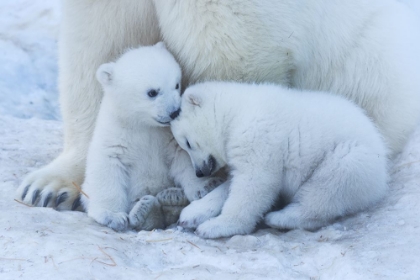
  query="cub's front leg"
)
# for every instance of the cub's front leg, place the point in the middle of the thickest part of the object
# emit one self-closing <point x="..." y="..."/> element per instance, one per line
<point x="183" y="173"/>
<point x="250" y="197"/>
<point x="206" y="208"/>
<point x="106" y="186"/>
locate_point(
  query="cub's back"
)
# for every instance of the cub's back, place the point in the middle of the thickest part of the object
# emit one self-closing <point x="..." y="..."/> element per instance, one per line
<point x="327" y="116"/>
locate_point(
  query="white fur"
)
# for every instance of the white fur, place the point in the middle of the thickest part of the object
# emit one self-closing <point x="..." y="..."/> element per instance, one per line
<point x="316" y="151"/>
<point x="366" y="51"/>
<point x="92" y="33"/>
<point x="132" y="150"/>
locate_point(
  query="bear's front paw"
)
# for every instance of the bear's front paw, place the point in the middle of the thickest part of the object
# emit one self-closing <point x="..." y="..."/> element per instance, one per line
<point x="147" y="214"/>
<point x="200" y="211"/>
<point x="206" y="186"/>
<point x="278" y="220"/>
<point x="222" y="227"/>
<point x="172" y="197"/>
<point x="197" y="213"/>
<point x="172" y="200"/>
<point x="118" y="221"/>
<point x="53" y="185"/>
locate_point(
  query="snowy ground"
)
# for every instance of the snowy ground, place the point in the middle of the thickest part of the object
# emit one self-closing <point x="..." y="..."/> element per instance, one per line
<point x="45" y="244"/>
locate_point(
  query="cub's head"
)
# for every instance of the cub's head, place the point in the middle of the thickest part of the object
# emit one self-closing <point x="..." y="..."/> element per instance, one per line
<point x="144" y="83"/>
<point x="196" y="131"/>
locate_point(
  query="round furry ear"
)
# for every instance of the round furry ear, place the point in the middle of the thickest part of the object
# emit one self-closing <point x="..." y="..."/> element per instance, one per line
<point x="160" y="45"/>
<point x="194" y="100"/>
<point x="105" y="74"/>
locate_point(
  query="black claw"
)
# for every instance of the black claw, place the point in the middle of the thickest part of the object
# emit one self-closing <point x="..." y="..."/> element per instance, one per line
<point x="61" y="198"/>
<point x="47" y="200"/>
<point x="25" y="191"/>
<point x="35" y="196"/>
<point x="76" y="203"/>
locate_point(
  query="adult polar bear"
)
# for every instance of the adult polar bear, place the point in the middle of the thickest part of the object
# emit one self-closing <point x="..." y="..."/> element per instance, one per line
<point x="364" y="50"/>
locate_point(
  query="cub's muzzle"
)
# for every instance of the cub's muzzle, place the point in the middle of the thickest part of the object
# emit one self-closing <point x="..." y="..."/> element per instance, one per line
<point x="207" y="168"/>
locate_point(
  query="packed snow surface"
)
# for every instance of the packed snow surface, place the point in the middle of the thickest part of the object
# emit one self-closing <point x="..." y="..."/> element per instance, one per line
<point x="41" y="243"/>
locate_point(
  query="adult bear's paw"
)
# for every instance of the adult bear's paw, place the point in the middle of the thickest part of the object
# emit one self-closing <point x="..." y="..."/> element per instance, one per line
<point x="54" y="185"/>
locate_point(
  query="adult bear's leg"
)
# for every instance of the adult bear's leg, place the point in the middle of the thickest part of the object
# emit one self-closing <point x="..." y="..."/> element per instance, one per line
<point x="92" y="32"/>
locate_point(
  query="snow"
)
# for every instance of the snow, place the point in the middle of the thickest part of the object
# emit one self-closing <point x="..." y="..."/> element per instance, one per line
<point x="383" y="243"/>
<point x="28" y="58"/>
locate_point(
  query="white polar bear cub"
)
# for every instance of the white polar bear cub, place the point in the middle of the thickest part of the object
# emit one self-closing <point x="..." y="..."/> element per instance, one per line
<point x="316" y="151"/>
<point x="133" y="153"/>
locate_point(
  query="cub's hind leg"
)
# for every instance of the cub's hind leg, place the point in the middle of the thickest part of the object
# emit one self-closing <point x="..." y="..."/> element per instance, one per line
<point x="350" y="179"/>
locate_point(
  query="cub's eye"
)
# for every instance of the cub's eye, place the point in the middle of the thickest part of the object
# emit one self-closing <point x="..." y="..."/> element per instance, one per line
<point x="152" y="93"/>
<point x="177" y="86"/>
<point x="188" y="145"/>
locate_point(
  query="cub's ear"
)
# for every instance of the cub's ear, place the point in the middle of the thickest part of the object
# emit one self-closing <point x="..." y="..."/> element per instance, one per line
<point x="105" y="74"/>
<point x="194" y="100"/>
<point x="160" y="45"/>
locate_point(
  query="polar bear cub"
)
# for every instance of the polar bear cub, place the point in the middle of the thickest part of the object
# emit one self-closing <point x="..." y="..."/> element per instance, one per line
<point x="133" y="153"/>
<point x="316" y="151"/>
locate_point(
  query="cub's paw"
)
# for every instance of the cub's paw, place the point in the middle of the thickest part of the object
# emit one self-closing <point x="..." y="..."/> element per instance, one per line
<point x="147" y="214"/>
<point x="172" y="197"/>
<point x="198" y="212"/>
<point x="292" y="217"/>
<point x="172" y="200"/>
<point x="118" y="221"/>
<point x="222" y="227"/>
<point x="278" y="220"/>
<point x="52" y="186"/>
<point x="205" y="186"/>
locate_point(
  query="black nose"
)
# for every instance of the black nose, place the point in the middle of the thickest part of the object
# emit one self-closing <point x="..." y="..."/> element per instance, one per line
<point x="199" y="173"/>
<point x="175" y="114"/>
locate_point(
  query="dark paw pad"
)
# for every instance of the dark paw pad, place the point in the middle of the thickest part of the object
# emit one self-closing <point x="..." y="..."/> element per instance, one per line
<point x="172" y="197"/>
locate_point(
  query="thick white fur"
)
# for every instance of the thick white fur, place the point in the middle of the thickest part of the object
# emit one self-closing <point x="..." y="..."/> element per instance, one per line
<point x="317" y="151"/>
<point x="364" y="50"/>
<point x="133" y="152"/>
<point x="92" y="33"/>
